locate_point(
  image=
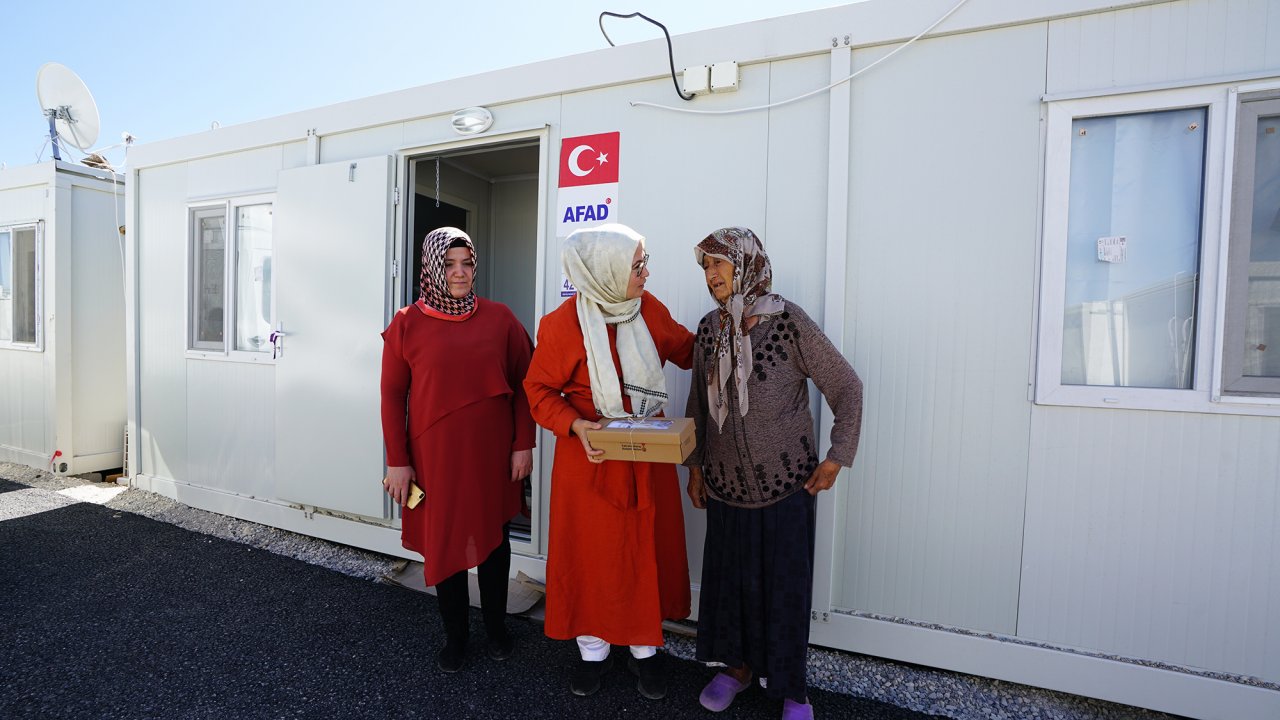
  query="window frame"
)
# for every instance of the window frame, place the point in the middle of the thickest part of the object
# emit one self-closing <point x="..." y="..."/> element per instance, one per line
<point x="1229" y="383"/>
<point x="1059" y="118"/>
<point x="38" y="226"/>
<point x="194" y="215"/>
<point x="228" y="207"/>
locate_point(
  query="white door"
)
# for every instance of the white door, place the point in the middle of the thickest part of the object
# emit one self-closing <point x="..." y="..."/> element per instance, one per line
<point x="333" y="239"/>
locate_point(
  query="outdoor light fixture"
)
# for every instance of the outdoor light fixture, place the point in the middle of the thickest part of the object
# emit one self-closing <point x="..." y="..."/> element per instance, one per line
<point x="472" y="121"/>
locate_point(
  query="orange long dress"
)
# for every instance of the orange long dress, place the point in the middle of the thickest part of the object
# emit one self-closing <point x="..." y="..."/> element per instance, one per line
<point x="616" y="564"/>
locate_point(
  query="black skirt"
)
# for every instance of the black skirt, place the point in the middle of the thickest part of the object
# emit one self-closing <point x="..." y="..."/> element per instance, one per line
<point x="757" y="590"/>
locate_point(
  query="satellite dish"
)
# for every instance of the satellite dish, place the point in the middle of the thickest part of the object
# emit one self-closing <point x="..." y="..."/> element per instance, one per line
<point x="69" y="107"/>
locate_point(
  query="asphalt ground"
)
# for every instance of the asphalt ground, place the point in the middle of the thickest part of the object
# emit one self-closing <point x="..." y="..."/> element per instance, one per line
<point x="106" y="614"/>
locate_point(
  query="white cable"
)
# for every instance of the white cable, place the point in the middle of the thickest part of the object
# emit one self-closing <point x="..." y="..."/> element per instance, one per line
<point x="115" y="207"/>
<point x="734" y="111"/>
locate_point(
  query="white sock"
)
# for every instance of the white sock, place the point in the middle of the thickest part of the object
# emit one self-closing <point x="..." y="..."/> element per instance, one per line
<point x="592" y="648"/>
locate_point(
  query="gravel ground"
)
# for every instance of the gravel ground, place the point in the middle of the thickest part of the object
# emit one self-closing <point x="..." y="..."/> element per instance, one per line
<point x="922" y="689"/>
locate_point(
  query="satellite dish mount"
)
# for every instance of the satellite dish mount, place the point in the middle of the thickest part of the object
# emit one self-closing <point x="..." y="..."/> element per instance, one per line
<point x="55" y="114"/>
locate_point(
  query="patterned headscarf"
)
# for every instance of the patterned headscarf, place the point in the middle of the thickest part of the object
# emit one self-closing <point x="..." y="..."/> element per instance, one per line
<point x="598" y="262"/>
<point x="752" y="283"/>
<point x="431" y="279"/>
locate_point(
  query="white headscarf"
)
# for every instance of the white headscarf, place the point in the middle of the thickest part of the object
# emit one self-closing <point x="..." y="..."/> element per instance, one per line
<point x="598" y="263"/>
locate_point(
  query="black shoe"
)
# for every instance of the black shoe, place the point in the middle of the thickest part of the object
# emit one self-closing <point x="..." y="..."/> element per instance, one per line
<point x="500" y="647"/>
<point x="587" y="674"/>
<point x="452" y="656"/>
<point x="653" y="680"/>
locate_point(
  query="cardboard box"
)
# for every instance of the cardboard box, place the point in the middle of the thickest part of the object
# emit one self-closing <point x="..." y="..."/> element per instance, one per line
<point x="656" y="439"/>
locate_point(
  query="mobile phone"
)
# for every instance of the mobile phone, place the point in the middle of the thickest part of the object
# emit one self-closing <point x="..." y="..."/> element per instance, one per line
<point x="415" y="496"/>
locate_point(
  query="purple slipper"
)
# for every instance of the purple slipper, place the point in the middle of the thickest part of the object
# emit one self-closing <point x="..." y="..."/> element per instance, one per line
<point x="720" y="692"/>
<point x="792" y="710"/>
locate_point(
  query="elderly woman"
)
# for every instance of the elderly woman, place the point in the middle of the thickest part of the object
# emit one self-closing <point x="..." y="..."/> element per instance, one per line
<point x="756" y="471"/>
<point x="616" y="565"/>
<point x="452" y="364"/>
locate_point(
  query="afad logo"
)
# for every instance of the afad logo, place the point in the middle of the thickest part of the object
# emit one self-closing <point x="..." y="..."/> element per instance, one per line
<point x="589" y="159"/>
<point x="587" y="213"/>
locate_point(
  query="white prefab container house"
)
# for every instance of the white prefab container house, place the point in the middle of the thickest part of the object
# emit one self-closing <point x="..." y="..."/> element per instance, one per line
<point x="1044" y="234"/>
<point x="62" y="358"/>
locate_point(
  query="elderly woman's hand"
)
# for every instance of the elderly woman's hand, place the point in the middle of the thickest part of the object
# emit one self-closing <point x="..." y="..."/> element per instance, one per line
<point x="697" y="489"/>
<point x="521" y="464"/>
<point x="580" y="428"/>
<point x="823" y="478"/>
<point x="396" y="483"/>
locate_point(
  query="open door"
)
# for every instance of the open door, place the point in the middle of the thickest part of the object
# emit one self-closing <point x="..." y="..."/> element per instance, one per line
<point x="333" y="232"/>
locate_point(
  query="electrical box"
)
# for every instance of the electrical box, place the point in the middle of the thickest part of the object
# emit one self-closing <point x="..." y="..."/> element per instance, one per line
<point x="724" y="77"/>
<point x="696" y="80"/>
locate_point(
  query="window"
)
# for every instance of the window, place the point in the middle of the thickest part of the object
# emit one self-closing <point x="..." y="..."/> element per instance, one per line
<point x="1133" y="249"/>
<point x="20" y="285"/>
<point x="208" y="281"/>
<point x="253" y="277"/>
<point x="1131" y="227"/>
<point x="1251" y="344"/>
<point x="1160" y="263"/>
<point x="231" y="290"/>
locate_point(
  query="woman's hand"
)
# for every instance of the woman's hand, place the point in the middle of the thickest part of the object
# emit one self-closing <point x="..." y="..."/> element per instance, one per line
<point x="697" y="489"/>
<point x="521" y="464"/>
<point x="396" y="483"/>
<point x="580" y="428"/>
<point x="823" y="478"/>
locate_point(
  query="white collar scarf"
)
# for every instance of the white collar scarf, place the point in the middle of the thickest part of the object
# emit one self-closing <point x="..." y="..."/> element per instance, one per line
<point x="598" y="263"/>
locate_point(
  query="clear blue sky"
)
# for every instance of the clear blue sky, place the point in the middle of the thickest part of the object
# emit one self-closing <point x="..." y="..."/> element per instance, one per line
<point x="165" y="69"/>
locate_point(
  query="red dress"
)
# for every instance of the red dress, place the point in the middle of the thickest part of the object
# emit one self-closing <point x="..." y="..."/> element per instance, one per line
<point x="467" y="413"/>
<point x="616" y="564"/>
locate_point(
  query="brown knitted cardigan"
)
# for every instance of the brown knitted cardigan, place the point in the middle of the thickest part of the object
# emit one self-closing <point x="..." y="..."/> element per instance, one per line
<point x="757" y="460"/>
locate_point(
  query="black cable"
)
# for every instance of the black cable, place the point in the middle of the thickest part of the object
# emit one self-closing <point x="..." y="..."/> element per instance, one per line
<point x="670" y="54"/>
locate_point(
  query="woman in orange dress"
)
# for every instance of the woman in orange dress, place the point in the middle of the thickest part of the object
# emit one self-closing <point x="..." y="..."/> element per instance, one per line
<point x="455" y="361"/>
<point x="616" y="565"/>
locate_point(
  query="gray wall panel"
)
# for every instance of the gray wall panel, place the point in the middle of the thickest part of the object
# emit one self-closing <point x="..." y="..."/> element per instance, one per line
<point x="943" y="227"/>
<point x="231" y="427"/>
<point x="97" y="320"/>
<point x="162" y="259"/>
<point x="1154" y="535"/>
<point x="27" y="411"/>
<point x="1165" y="42"/>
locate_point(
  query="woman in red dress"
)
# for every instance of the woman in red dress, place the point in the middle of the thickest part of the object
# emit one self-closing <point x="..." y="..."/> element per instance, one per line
<point x="452" y="364"/>
<point x="616" y="565"/>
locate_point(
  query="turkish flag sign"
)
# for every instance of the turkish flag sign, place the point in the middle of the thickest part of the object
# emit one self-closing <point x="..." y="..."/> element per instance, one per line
<point x="589" y="159"/>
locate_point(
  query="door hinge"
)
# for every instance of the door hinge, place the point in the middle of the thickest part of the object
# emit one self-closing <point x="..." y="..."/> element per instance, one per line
<point x="395" y="196"/>
<point x="395" y="268"/>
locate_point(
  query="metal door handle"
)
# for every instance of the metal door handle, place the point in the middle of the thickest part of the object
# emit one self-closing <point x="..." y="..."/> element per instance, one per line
<point x="277" y="347"/>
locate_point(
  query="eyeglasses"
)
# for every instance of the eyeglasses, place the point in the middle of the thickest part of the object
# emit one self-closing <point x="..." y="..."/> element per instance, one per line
<point x="640" y="265"/>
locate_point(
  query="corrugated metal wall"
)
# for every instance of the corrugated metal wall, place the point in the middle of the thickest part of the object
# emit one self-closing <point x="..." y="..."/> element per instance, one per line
<point x="943" y="208"/>
<point x="162" y="267"/>
<point x="97" y="321"/>
<point x="1155" y="535"/>
<point x="27" y="393"/>
<point x="1167" y="42"/>
<point x="1150" y="534"/>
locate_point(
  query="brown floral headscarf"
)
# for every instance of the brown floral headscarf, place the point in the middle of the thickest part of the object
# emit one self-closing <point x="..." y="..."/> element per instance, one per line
<point x="752" y="285"/>
<point x="431" y="279"/>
